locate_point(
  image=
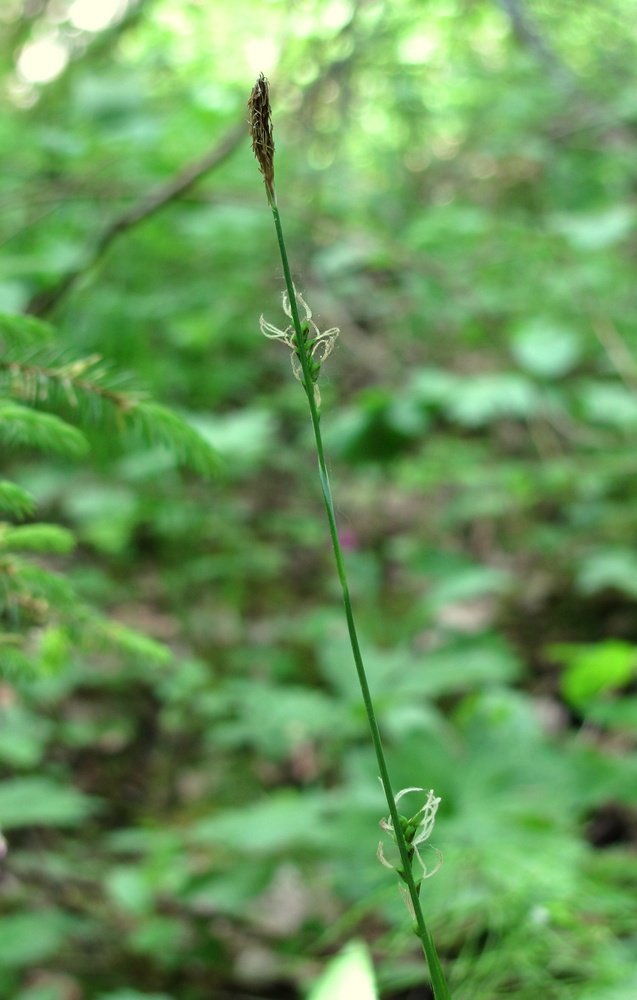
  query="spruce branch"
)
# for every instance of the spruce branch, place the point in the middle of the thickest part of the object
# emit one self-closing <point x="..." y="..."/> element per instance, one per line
<point x="297" y="337"/>
<point x="38" y="537"/>
<point x="22" y="426"/>
<point x="89" y="389"/>
<point x="43" y="620"/>
<point x="160" y="425"/>
<point x="45" y="376"/>
<point x="14" y="662"/>
<point x="18" y="331"/>
<point x="14" y="500"/>
<point x="109" y="635"/>
<point x="31" y="594"/>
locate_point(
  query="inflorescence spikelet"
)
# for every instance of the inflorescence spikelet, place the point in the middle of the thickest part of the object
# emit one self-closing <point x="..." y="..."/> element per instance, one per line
<point x="261" y="132"/>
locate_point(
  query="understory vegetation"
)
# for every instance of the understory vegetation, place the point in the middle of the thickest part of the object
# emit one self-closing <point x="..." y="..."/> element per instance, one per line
<point x="189" y="801"/>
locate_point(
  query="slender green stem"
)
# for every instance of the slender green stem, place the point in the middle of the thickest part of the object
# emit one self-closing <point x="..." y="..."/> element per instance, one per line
<point x="440" y="988"/>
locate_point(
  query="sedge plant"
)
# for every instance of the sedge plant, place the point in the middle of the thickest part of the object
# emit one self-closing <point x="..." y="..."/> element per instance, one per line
<point x="309" y="349"/>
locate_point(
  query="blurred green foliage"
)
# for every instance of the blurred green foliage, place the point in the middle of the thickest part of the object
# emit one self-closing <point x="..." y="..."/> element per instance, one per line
<point x="195" y="814"/>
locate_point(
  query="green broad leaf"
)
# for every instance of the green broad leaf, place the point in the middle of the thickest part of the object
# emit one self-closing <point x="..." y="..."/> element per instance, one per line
<point x="434" y="386"/>
<point x="348" y="976"/>
<point x="406" y="416"/>
<point x="608" y="568"/>
<point x="378" y="428"/>
<point x="20" y="426"/>
<point x="161" y="426"/>
<point x="383" y="667"/>
<point x="109" y="99"/>
<point x="26" y="939"/>
<point x="595" y="230"/>
<point x="231" y="892"/>
<point x="464" y="664"/>
<point x="624" y="988"/>
<point x="595" y="668"/>
<point x="37" y="538"/>
<point x="161" y="937"/>
<point x="466" y="584"/>
<point x="284" y="820"/>
<point x="619" y="714"/>
<point x="112" y="534"/>
<point x="398" y="676"/>
<point x="277" y="718"/>
<point x="105" y="514"/>
<point x="546" y="349"/>
<point x="23" y="737"/>
<point x="14" y="500"/>
<point x="35" y="801"/>
<point x="14" y="296"/>
<point x="127" y="994"/>
<point x="46" y="992"/>
<point x="242" y="439"/>
<point x="609" y="404"/>
<point x="24" y="331"/>
<point x="130" y="889"/>
<point x="484" y="399"/>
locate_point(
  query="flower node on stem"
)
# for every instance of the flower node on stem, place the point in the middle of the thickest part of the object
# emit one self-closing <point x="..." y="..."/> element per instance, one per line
<point x="416" y="831"/>
<point x="317" y="346"/>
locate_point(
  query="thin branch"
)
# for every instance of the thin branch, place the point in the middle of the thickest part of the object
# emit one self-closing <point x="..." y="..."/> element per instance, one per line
<point x="583" y="110"/>
<point x="69" y="378"/>
<point x="43" y="303"/>
<point x="529" y="36"/>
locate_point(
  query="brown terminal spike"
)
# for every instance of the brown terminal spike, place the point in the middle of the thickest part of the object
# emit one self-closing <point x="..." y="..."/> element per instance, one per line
<point x="261" y="132"/>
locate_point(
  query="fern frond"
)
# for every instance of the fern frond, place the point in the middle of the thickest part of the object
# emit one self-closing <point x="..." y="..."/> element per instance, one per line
<point x="14" y="500"/>
<point x="17" y="330"/>
<point x="36" y="538"/>
<point x="21" y="426"/>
